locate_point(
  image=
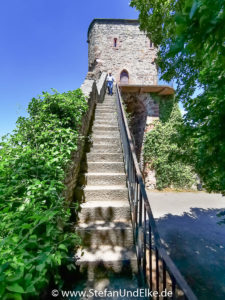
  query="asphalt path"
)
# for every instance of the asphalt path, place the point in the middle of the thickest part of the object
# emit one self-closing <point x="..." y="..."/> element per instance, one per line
<point x="190" y="228"/>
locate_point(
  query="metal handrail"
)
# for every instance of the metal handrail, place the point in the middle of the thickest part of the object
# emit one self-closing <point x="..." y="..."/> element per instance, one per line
<point x="146" y="236"/>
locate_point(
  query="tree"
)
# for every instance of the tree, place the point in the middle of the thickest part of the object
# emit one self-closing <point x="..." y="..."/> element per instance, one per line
<point x="161" y="150"/>
<point x="191" y="41"/>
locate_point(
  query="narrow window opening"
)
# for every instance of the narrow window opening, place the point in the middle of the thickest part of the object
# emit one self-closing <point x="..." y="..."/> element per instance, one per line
<point x="124" y="77"/>
<point x="115" y="42"/>
<point x="151" y="44"/>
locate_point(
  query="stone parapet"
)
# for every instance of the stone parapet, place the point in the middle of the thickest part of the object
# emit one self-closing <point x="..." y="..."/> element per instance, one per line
<point x="101" y="87"/>
<point x="93" y="93"/>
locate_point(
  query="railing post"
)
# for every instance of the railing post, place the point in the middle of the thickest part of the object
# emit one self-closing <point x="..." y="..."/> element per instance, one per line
<point x="157" y="271"/>
<point x="140" y="231"/>
<point x="145" y="242"/>
<point x="150" y="254"/>
<point x="164" y="277"/>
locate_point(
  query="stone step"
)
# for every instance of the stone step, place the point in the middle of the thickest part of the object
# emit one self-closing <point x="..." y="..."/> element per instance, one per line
<point x="107" y="116"/>
<point x="103" y="278"/>
<point x="110" y="259"/>
<point x="105" y="110"/>
<point x="106" y="106"/>
<point x="107" y="140"/>
<point x="105" y="128"/>
<point x="106" y="119"/>
<point x="105" y="122"/>
<point x="106" y="167"/>
<point x="105" y="178"/>
<point x="104" y="157"/>
<point x="105" y="148"/>
<point x="102" y="193"/>
<point x="108" y="211"/>
<point x="101" y="233"/>
<point x="109" y="98"/>
<point x="105" y="113"/>
<point x="105" y="135"/>
<point x="107" y="102"/>
<point x="110" y="103"/>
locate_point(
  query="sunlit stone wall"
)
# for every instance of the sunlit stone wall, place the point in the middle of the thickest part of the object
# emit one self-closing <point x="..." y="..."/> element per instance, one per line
<point x="119" y="45"/>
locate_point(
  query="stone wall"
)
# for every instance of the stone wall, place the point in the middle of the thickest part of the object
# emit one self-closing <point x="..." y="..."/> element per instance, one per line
<point x="132" y="53"/>
<point x="94" y="92"/>
<point x="143" y="111"/>
<point x="101" y="87"/>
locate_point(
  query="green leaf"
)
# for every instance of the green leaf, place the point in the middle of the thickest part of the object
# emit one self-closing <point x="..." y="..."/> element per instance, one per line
<point x="15" y="288"/>
<point x="193" y="9"/>
<point x="16" y="277"/>
<point x="31" y="289"/>
<point x="62" y="247"/>
<point x="40" y="267"/>
<point x="12" y="297"/>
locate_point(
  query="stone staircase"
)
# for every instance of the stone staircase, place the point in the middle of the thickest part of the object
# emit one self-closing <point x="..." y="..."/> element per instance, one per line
<point x="104" y="220"/>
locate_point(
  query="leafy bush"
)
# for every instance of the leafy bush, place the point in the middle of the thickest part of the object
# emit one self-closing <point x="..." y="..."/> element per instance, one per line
<point x="162" y="151"/>
<point x="35" y="220"/>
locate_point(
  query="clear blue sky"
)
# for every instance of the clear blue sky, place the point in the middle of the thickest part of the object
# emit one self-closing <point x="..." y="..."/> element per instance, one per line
<point x="43" y="46"/>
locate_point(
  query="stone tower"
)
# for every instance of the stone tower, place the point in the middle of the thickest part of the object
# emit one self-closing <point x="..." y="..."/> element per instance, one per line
<point x="119" y="45"/>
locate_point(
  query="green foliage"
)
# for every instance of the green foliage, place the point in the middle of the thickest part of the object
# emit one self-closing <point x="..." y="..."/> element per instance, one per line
<point x="190" y="34"/>
<point x="35" y="220"/>
<point x="161" y="150"/>
<point x="128" y="114"/>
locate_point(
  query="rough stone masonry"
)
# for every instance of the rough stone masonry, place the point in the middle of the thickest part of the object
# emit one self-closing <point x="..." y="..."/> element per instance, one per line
<point x="119" y="45"/>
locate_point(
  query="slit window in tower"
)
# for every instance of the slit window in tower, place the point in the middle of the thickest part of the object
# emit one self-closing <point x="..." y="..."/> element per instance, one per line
<point x="115" y="42"/>
<point x="151" y="45"/>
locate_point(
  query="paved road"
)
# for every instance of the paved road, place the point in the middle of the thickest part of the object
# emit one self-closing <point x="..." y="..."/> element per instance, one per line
<point x="188" y="224"/>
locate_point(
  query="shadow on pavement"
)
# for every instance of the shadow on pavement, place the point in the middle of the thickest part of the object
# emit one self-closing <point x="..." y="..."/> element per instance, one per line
<point x="196" y="243"/>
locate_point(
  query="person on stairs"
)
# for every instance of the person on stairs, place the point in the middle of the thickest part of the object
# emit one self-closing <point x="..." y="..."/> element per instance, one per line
<point x="110" y="79"/>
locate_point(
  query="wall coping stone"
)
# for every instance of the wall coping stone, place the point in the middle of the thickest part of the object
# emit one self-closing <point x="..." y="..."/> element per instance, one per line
<point x="111" y="21"/>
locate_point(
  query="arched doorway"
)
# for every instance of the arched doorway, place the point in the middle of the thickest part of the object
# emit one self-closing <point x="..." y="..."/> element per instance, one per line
<point x="124" y="77"/>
